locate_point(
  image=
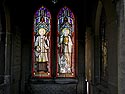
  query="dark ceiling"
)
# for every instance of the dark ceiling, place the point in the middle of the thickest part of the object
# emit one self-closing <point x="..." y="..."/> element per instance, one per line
<point x="22" y="11"/>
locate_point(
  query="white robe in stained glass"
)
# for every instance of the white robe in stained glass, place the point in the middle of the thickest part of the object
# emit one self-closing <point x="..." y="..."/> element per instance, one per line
<point x="65" y="46"/>
<point x="42" y="46"/>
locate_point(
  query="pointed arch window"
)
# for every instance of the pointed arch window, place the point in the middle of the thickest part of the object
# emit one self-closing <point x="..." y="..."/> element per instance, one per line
<point x="65" y="43"/>
<point x="41" y="49"/>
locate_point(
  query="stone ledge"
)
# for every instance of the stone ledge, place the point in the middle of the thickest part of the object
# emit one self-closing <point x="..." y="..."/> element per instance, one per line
<point x="66" y="81"/>
<point x="53" y="81"/>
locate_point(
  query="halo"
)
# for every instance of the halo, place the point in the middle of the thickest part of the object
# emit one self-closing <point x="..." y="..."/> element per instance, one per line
<point x="44" y="31"/>
<point x="65" y="29"/>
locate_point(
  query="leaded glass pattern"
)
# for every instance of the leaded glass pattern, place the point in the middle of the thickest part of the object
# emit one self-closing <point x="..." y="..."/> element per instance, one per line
<point x="42" y="43"/>
<point x="65" y="43"/>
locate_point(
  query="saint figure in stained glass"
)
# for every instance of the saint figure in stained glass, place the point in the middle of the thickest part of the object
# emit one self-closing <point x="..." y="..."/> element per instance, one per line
<point x="65" y="46"/>
<point x="42" y="46"/>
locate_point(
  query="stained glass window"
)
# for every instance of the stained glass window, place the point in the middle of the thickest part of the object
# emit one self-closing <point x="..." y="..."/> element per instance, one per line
<point x="65" y="43"/>
<point x="42" y="43"/>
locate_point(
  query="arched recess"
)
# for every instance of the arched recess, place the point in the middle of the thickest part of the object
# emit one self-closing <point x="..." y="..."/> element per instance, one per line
<point x="5" y="48"/>
<point x="66" y="43"/>
<point x="105" y="47"/>
<point x="97" y="45"/>
<point x="101" y="43"/>
<point x="41" y="49"/>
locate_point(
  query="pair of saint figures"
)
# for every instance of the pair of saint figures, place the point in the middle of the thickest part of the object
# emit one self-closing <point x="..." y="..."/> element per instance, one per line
<point x="42" y="50"/>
